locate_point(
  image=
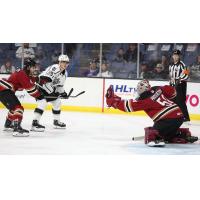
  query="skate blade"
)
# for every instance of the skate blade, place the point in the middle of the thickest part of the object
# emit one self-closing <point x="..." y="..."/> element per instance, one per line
<point x="58" y="127"/>
<point x="153" y="144"/>
<point x="8" y="129"/>
<point x="37" y="130"/>
<point x="20" y="135"/>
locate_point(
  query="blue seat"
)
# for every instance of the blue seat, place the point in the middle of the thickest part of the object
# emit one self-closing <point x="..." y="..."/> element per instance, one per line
<point x="190" y="58"/>
<point x="150" y="52"/>
<point x="117" y="66"/>
<point x="130" y="67"/>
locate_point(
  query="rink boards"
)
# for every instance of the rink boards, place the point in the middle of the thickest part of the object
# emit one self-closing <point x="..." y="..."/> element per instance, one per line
<point x="94" y="98"/>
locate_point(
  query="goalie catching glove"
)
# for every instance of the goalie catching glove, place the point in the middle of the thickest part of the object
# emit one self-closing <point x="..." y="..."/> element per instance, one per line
<point x="112" y="100"/>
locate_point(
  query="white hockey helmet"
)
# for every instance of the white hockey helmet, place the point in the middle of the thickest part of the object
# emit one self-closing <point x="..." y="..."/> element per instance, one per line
<point x="143" y="86"/>
<point x="63" y="58"/>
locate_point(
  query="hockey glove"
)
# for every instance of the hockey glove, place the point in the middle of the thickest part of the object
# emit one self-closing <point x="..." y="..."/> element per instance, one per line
<point x="64" y="95"/>
<point x="112" y="100"/>
<point x="40" y="97"/>
<point x="54" y="94"/>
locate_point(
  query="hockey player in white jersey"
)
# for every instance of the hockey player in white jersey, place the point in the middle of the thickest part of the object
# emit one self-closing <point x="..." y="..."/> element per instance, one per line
<point x="51" y="83"/>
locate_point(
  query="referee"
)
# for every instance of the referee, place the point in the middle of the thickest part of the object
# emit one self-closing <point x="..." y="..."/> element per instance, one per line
<point x="178" y="74"/>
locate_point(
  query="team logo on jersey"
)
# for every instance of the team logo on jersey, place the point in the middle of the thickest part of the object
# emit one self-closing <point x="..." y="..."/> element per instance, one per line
<point x="56" y="81"/>
<point x="53" y="69"/>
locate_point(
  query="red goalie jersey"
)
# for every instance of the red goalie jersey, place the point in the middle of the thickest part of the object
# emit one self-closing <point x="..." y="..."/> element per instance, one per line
<point x="156" y="103"/>
<point x="19" y="80"/>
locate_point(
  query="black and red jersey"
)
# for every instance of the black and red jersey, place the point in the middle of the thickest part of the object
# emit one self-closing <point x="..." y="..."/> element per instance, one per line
<point x="156" y="103"/>
<point x="19" y="80"/>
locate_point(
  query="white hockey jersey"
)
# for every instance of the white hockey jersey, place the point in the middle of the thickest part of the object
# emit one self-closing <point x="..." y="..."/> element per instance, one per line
<point x="56" y="79"/>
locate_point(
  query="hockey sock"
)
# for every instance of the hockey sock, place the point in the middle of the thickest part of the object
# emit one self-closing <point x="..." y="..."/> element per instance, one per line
<point x="38" y="114"/>
<point x="56" y="114"/>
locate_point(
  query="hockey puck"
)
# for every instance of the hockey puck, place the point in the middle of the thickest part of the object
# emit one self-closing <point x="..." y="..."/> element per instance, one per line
<point x="133" y="138"/>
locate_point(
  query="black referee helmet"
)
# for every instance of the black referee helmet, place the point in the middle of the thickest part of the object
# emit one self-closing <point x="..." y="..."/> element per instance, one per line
<point x="177" y="52"/>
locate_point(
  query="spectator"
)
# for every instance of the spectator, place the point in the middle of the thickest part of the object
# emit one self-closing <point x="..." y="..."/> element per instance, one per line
<point x="132" y="75"/>
<point x="120" y="56"/>
<point x="28" y="52"/>
<point x="131" y="53"/>
<point x="7" y="67"/>
<point x="54" y="57"/>
<point x="39" y="54"/>
<point x="105" y="73"/>
<point x="195" y="70"/>
<point x="158" y="73"/>
<point x="144" y="71"/>
<point x="92" y="71"/>
<point x="97" y="59"/>
<point x="165" y="62"/>
<point x="70" y="49"/>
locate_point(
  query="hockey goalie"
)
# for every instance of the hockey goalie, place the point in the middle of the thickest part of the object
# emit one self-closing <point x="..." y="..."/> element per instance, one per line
<point x="51" y="85"/>
<point x="158" y="104"/>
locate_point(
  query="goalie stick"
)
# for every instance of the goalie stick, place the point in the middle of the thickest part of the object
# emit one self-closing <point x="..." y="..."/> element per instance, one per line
<point x="141" y="138"/>
<point x="138" y="138"/>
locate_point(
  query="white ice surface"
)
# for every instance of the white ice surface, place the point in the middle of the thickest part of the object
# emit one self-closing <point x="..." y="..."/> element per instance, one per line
<point x="89" y="134"/>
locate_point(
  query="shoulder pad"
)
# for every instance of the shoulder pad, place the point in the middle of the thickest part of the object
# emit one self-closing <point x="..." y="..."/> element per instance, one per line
<point x="155" y="87"/>
<point x="55" y="68"/>
<point x="45" y="78"/>
<point x="18" y="70"/>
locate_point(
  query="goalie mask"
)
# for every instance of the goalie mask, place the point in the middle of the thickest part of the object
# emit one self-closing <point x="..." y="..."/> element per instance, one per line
<point x="143" y="86"/>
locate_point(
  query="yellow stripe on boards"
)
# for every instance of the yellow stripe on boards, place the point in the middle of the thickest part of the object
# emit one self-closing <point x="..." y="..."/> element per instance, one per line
<point x="96" y="110"/>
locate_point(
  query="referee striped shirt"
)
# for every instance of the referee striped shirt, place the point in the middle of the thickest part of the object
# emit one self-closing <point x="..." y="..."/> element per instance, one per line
<point x="178" y="71"/>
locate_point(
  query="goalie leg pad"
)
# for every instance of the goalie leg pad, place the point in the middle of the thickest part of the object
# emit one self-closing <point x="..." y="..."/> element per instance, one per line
<point x="150" y="134"/>
<point x="184" y="131"/>
<point x="152" y="137"/>
<point x="184" y="136"/>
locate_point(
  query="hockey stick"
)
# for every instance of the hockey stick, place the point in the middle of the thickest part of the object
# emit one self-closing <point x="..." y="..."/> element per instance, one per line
<point x="138" y="138"/>
<point x="74" y="96"/>
<point x="70" y="92"/>
<point x="68" y="96"/>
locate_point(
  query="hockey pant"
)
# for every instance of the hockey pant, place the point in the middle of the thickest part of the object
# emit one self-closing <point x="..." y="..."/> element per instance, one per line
<point x="11" y="102"/>
<point x="56" y="104"/>
<point x="167" y="128"/>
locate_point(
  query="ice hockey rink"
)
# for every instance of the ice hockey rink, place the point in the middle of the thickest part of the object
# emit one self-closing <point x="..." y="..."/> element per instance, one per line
<point x="89" y="134"/>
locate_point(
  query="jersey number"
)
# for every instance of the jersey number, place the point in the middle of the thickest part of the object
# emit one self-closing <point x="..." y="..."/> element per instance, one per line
<point x="163" y="101"/>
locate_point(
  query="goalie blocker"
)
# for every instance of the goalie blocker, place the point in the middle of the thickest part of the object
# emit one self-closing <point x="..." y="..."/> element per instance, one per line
<point x="158" y="104"/>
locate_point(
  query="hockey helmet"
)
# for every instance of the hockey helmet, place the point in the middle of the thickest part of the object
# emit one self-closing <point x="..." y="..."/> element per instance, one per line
<point x="29" y="63"/>
<point x="63" y="58"/>
<point x="177" y="52"/>
<point x="143" y="86"/>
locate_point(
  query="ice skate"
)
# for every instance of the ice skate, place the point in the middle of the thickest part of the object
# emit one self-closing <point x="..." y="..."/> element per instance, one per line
<point x="19" y="131"/>
<point x="36" y="127"/>
<point x="59" y="125"/>
<point x="8" y="126"/>
<point x="191" y="139"/>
